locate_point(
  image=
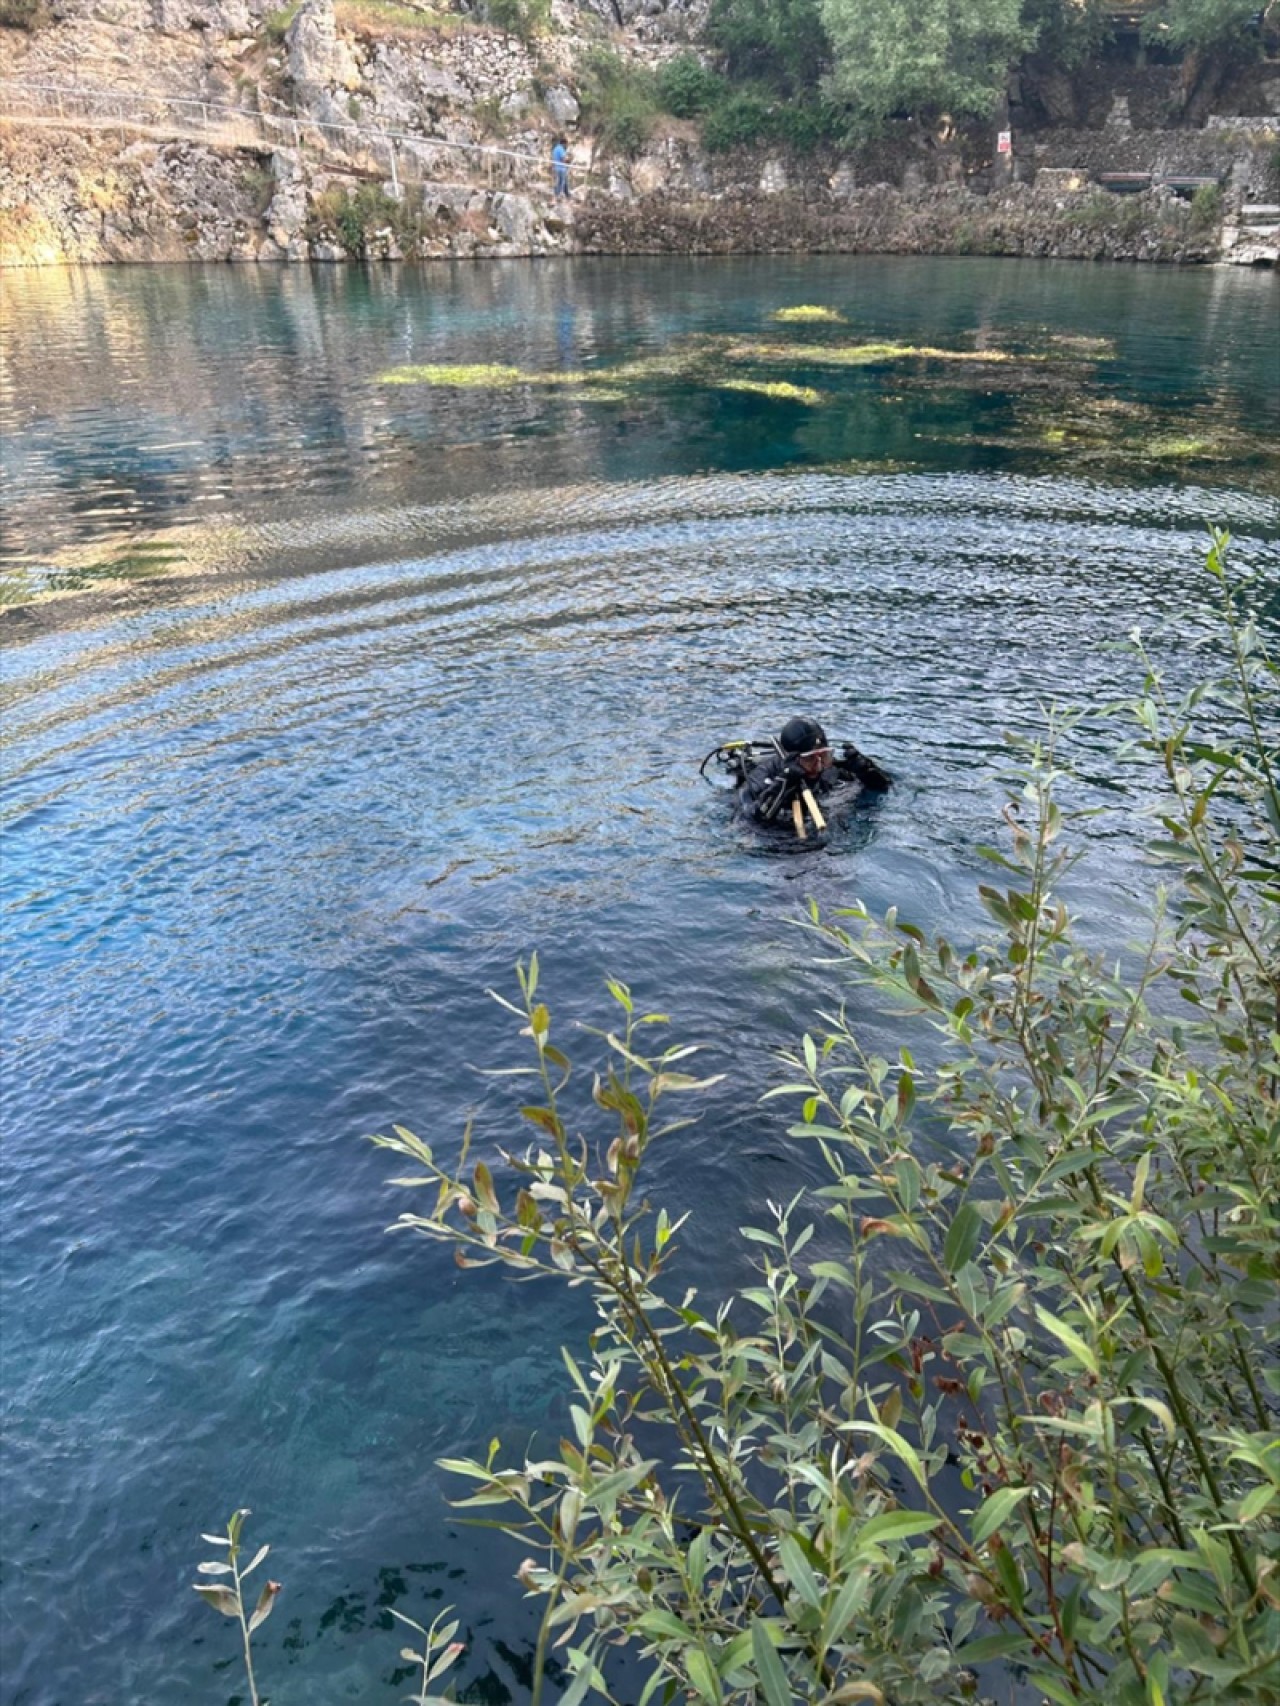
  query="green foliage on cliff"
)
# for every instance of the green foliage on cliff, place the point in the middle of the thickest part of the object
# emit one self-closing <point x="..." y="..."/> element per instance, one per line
<point x="923" y="57"/>
<point x="353" y="216"/>
<point x="522" y="18"/>
<point x="1223" y="25"/>
<point x="619" y="100"/>
<point x="781" y="44"/>
<point x="686" y="87"/>
<point x="22" y="14"/>
<point x="1067" y="32"/>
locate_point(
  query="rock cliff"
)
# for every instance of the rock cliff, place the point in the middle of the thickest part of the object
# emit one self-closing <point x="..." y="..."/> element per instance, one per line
<point x="163" y="130"/>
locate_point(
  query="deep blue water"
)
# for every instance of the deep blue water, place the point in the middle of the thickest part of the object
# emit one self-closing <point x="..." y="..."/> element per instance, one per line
<point x="425" y="688"/>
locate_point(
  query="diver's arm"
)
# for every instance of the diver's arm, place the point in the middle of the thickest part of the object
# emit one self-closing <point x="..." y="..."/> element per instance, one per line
<point x="859" y="768"/>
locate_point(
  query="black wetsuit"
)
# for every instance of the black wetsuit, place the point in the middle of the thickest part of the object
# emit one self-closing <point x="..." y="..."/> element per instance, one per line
<point x="770" y="786"/>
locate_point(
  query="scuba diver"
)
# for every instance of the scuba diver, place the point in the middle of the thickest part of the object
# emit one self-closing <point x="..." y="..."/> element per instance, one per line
<point x="779" y="781"/>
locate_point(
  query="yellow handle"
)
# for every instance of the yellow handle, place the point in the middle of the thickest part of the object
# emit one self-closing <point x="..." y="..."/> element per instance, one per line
<point x="819" y="822"/>
<point x="797" y="817"/>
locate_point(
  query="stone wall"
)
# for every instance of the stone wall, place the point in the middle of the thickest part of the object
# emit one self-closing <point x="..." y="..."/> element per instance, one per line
<point x="882" y="219"/>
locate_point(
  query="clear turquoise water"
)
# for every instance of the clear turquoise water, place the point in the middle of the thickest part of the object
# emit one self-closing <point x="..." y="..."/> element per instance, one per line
<point x="430" y="691"/>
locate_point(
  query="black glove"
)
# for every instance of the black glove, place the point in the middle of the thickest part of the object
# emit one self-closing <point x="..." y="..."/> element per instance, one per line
<point x="863" y="769"/>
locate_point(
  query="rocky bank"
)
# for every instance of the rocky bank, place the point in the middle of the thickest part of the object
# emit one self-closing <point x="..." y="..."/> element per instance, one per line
<point x="167" y="130"/>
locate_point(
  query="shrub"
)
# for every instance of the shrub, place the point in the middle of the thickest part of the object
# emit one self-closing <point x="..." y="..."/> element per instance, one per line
<point x="805" y="125"/>
<point x="523" y="18"/>
<point x="1000" y="1394"/>
<point x="353" y="215"/>
<point x="1206" y="206"/>
<point x="687" y="87"/>
<point x="23" y="14"/>
<point x="779" y="43"/>
<point x="742" y="118"/>
<point x="618" y="101"/>
<point x="1228" y="27"/>
<point x="275" y="25"/>
<point x="751" y="116"/>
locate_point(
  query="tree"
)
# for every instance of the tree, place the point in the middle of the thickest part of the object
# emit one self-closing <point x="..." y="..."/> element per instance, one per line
<point x="1226" y="26"/>
<point x="923" y="57"/>
<point x="780" y="44"/>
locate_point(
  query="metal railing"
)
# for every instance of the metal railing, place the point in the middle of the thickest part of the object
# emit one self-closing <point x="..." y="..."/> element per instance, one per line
<point x="409" y="156"/>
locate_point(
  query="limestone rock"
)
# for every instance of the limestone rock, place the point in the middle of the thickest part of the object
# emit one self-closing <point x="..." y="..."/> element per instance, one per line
<point x="648" y="175"/>
<point x="318" y="57"/>
<point x="287" y="213"/>
<point x="843" y="182"/>
<point x="1119" y="117"/>
<point x="773" y="178"/>
<point x="562" y="106"/>
<point x="514" y="218"/>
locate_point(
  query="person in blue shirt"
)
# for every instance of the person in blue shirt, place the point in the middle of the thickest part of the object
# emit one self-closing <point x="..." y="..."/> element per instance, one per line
<point x="560" y="168"/>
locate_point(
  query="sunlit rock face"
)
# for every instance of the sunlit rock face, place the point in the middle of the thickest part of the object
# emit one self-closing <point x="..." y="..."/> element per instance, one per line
<point x="252" y="140"/>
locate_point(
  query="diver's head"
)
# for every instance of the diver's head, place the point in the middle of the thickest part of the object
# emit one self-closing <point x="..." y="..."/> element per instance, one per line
<point x="805" y="743"/>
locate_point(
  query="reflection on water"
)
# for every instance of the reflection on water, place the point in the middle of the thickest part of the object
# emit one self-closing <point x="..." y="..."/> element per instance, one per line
<point x="435" y="697"/>
<point x="185" y="399"/>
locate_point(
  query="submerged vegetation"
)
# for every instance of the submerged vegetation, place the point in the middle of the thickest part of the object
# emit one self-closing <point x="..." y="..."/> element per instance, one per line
<point x="808" y="314"/>
<point x="84" y="570"/>
<point x="999" y="1393"/>
<point x="779" y="390"/>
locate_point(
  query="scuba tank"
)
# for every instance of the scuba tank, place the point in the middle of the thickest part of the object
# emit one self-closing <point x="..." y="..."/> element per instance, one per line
<point x="737" y="758"/>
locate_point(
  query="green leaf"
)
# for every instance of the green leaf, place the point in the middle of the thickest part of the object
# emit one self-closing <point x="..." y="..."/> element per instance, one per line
<point x="908" y="1175"/>
<point x="962" y="1238"/>
<point x="845" y="1606"/>
<point x="702" y="1674"/>
<point x="1253" y="1504"/>
<point x="224" y="1600"/>
<point x="1068" y="1336"/>
<point x="996" y="1511"/>
<point x="992" y="1647"/>
<point x="265" y="1606"/>
<point x="773" y="1679"/>
<point x="901" y="1448"/>
<point x="1191" y="1646"/>
<point x="895" y="1525"/>
<point x="799" y="1572"/>
<point x="1052" y="1686"/>
<point x="1011" y="1577"/>
<point x="662" y="1625"/>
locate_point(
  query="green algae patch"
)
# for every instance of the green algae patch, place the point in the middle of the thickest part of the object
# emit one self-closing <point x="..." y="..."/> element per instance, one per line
<point x="593" y="391"/>
<point x="806" y="313"/>
<point x="1185" y="450"/>
<point x="778" y="392"/>
<point x="861" y="355"/>
<point x="603" y="380"/>
<point x="1081" y="348"/>
<point x="678" y="364"/>
<point x="478" y="378"/>
<point x="82" y="569"/>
